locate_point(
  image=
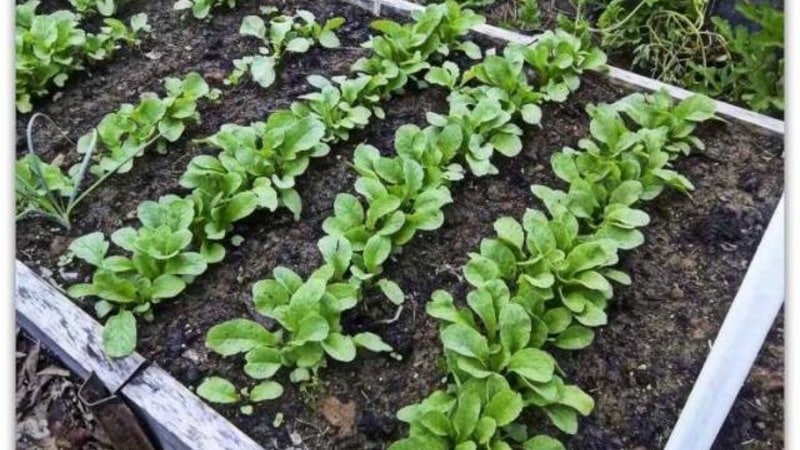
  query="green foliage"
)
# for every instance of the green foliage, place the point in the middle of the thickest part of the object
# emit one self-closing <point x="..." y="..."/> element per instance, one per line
<point x="525" y="16"/>
<point x="403" y="51"/>
<point x="674" y="42"/>
<point x="398" y="196"/>
<point x="111" y="147"/>
<point x="256" y="168"/>
<point x="201" y="9"/>
<point x="103" y="7"/>
<point x="295" y="34"/>
<point x="50" y="47"/>
<point x="546" y="281"/>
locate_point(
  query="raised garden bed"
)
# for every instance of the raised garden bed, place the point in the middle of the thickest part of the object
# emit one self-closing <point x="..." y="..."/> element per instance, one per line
<point x="640" y="368"/>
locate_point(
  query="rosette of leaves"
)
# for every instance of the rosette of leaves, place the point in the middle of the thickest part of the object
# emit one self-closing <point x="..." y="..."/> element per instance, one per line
<point x="485" y="128"/>
<point x="257" y="167"/>
<point x="159" y="267"/>
<point x="401" y="52"/>
<point x="558" y="59"/>
<point x="496" y="336"/>
<point x="201" y="9"/>
<point x="293" y="34"/>
<point x="341" y="103"/>
<point x="50" y="47"/>
<point x="308" y="313"/>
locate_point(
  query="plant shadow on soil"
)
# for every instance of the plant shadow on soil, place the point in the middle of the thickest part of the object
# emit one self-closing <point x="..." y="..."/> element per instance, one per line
<point x="640" y="368"/>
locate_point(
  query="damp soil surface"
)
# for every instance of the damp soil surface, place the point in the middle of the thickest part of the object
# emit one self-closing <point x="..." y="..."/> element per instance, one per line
<point x="640" y="368"/>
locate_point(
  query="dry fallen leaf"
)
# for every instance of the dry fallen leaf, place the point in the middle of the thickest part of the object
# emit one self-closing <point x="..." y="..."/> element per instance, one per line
<point x="340" y="415"/>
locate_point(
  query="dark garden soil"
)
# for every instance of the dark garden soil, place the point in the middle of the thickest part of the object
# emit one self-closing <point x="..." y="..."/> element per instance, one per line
<point x="640" y="368"/>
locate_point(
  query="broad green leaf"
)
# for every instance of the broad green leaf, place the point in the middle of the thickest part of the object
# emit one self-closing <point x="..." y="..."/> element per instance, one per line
<point x="533" y="364"/>
<point x="543" y="442"/>
<point x="371" y="342"/>
<point x="339" y="347"/>
<point x="313" y="328"/>
<point x="262" y="362"/>
<point x="574" y="397"/>
<point x="467" y="413"/>
<point x="167" y="286"/>
<point x="466" y="341"/>
<point x="504" y="407"/>
<point x="119" y="335"/>
<point x="376" y="251"/>
<point x="238" y="336"/>
<point x="563" y="417"/>
<point x="91" y="248"/>
<point x="392" y="291"/>
<point x="218" y="390"/>
<point x="266" y="390"/>
<point x="515" y="327"/>
<point x="575" y="337"/>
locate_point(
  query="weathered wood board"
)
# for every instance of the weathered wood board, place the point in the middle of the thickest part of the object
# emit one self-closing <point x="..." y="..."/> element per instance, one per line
<point x="177" y="417"/>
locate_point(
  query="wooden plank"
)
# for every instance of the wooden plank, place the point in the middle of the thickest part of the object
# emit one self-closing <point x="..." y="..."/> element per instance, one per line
<point x="178" y="418"/>
<point x="67" y="331"/>
<point x="753" y="120"/>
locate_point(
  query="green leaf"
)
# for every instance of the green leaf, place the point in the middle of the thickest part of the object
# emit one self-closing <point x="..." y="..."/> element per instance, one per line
<point x="266" y="390"/>
<point x="253" y="26"/>
<point x="533" y="364"/>
<point x="574" y="397"/>
<point x="508" y="144"/>
<point x="328" y="39"/>
<point x="313" y="328"/>
<point x="91" y="248"/>
<point x="371" y="342"/>
<point x="167" y="286"/>
<point x="262" y="362"/>
<point x="437" y="423"/>
<point x="465" y="341"/>
<point x="543" y="442"/>
<point x="376" y="251"/>
<point x="531" y="113"/>
<point x="340" y="347"/>
<point x="262" y="69"/>
<point x="298" y="45"/>
<point x="697" y="108"/>
<point x="563" y="417"/>
<point x="558" y="319"/>
<point x="510" y="231"/>
<point x="238" y="336"/>
<point x="392" y="291"/>
<point x="218" y="390"/>
<point x="504" y="407"/>
<point x="515" y="327"/>
<point x="575" y="337"/>
<point x="467" y="412"/>
<point x="119" y="335"/>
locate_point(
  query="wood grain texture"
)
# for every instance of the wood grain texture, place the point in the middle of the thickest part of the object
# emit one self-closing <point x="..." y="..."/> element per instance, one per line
<point x="74" y="336"/>
<point x="178" y="418"/>
<point x="181" y="419"/>
<point x="753" y="120"/>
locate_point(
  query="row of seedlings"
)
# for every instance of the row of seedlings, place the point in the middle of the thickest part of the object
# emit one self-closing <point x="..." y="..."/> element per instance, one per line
<point x="111" y="147"/>
<point x="256" y="168"/>
<point x="545" y="282"/>
<point x="399" y="196"/>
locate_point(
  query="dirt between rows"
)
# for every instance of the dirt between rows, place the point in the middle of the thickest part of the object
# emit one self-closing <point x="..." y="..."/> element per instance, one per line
<point x="640" y="368"/>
